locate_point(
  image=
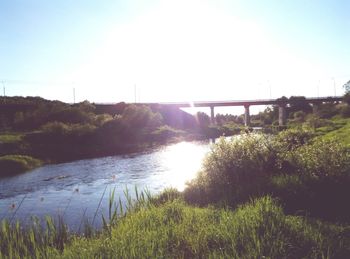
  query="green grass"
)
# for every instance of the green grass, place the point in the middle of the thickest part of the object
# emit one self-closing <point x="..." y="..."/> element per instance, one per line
<point x="342" y="132"/>
<point x="10" y="137"/>
<point x="306" y="175"/>
<point x="15" y="164"/>
<point x="176" y="230"/>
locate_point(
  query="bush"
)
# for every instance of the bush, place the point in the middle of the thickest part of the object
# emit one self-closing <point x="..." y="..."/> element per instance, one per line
<point x="58" y="128"/>
<point x="316" y="122"/>
<point x="138" y="117"/>
<point x="322" y="159"/>
<point x="15" y="164"/>
<point x="234" y="170"/>
<point x="72" y="115"/>
<point x="164" y="132"/>
<point x="345" y="111"/>
<point x="291" y="139"/>
<point x="101" y="119"/>
<point x="62" y="129"/>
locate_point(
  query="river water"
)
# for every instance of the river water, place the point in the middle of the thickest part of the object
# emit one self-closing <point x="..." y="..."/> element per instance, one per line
<point x="74" y="190"/>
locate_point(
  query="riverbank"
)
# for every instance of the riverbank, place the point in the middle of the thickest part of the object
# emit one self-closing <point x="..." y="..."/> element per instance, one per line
<point x="15" y="143"/>
<point x="279" y="197"/>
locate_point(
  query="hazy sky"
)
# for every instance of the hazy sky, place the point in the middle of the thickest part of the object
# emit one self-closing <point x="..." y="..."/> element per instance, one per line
<point x="174" y="50"/>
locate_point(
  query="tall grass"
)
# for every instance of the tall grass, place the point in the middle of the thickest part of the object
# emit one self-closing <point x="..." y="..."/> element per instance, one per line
<point x="176" y="230"/>
<point x="164" y="226"/>
<point x="249" y="174"/>
<point x="307" y="173"/>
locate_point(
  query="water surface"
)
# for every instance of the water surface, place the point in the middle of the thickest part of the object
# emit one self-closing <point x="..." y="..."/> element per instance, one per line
<point x="73" y="190"/>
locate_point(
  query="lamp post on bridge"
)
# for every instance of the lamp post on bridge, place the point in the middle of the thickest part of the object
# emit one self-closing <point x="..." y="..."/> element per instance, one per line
<point x="246" y="115"/>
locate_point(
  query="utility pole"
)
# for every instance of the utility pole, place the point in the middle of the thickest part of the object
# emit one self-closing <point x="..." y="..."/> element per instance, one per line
<point x="4" y="88"/>
<point x="335" y="90"/>
<point x="73" y="95"/>
<point x="318" y="88"/>
<point x="135" y="92"/>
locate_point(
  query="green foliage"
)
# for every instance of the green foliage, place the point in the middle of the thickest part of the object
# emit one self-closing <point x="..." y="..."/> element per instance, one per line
<point x="138" y="117"/>
<point x="72" y="115"/>
<point x="293" y="166"/>
<point x="321" y="159"/>
<point x="166" y="227"/>
<point x="61" y="129"/>
<point x="346" y="97"/>
<point x="37" y="241"/>
<point x="203" y="120"/>
<point x="323" y="198"/>
<point x="234" y="170"/>
<point x="345" y="109"/>
<point x="14" y="164"/>
<point x="56" y="128"/>
<point x="291" y="139"/>
<point x="299" y="103"/>
<point x="341" y="132"/>
<point x="346" y="87"/>
<point x="175" y="230"/>
<point x="10" y="137"/>
<point x="168" y="194"/>
<point x="102" y="119"/>
<point x="326" y="110"/>
<point x="165" y="132"/>
<point x="314" y="122"/>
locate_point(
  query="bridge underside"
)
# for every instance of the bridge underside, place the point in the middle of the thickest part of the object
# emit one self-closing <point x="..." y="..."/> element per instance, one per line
<point x="282" y="104"/>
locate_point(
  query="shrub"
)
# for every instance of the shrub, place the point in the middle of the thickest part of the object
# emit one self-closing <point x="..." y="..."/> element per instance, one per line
<point x="72" y="115"/>
<point x="61" y="129"/>
<point x="14" y="164"/>
<point x="316" y="122"/>
<point x="345" y="111"/>
<point x="234" y="170"/>
<point x="168" y="194"/>
<point x="321" y="159"/>
<point x="55" y="127"/>
<point x="101" y="119"/>
<point x="138" y="117"/>
<point x="291" y="139"/>
<point x="164" y="132"/>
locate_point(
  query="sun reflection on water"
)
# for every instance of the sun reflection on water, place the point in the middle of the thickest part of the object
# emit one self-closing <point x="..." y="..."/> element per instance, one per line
<point x="183" y="161"/>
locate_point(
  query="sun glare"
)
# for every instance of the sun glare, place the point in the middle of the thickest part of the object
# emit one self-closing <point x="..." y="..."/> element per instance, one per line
<point x="183" y="162"/>
<point x="189" y="50"/>
<point x="180" y="50"/>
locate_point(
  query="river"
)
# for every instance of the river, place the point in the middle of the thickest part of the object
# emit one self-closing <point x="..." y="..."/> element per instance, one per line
<point x="73" y="190"/>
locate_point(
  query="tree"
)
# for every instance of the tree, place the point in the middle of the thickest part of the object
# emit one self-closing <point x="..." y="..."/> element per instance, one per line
<point x="346" y="97"/>
<point x="346" y="86"/>
<point x="203" y="120"/>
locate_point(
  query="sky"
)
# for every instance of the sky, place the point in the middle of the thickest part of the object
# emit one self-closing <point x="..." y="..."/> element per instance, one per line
<point x="175" y="50"/>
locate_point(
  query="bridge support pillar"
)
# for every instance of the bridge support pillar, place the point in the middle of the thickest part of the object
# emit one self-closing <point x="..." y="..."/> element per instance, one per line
<point x="212" y="115"/>
<point x="282" y="116"/>
<point x="315" y="108"/>
<point x="246" y="116"/>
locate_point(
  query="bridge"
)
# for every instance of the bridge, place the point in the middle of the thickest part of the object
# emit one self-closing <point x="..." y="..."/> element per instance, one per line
<point x="280" y="102"/>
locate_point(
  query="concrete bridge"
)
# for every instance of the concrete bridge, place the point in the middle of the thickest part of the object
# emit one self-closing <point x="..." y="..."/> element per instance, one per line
<point x="280" y="102"/>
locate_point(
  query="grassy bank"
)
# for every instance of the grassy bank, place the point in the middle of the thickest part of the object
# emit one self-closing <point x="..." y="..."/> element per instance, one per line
<point x="15" y="164"/>
<point x="174" y="229"/>
<point x="272" y="196"/>
<point x="283" y="196"/>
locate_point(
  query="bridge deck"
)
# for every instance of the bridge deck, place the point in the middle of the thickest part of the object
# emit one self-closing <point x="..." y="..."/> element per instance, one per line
<point x="312" y="100"/>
